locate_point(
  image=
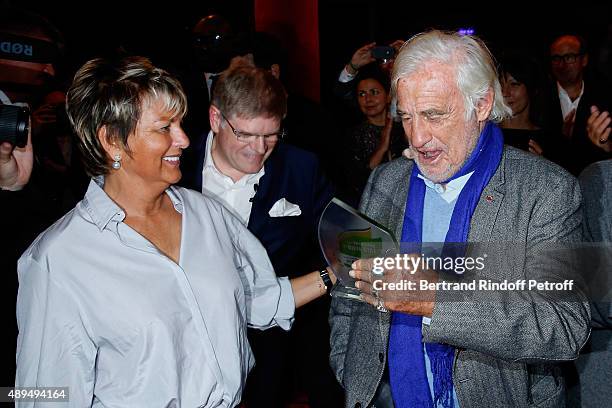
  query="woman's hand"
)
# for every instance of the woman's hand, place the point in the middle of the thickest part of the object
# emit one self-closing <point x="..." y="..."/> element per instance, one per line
<point x="388" y="65"/>
<point x="382" y="149"/>
<point x="361" y="57"/>
<point x="16" y="164"/>
<point x="309" y="287"/>
<point x="385" y="136"/>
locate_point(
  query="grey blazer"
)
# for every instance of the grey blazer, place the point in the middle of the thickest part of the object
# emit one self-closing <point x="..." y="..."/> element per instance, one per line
<point x="506" y="351"/>
<point x="594" y="389"/>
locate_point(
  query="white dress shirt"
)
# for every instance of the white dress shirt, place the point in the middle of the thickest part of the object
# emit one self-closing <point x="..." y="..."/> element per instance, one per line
<point x="236" y="196"/>
<point x="449" y="191"/>
<point x="102" y="311"/>
<point x="567" y="105"/>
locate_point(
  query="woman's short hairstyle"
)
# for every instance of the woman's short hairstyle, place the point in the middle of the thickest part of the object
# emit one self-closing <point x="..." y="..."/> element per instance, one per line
<point x="473" y="62"/>
<point x="111" y="93"/>
<point x="248" y="92"/>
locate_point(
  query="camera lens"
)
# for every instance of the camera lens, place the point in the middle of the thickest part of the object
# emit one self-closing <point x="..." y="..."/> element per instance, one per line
<point x="14" y="121"/>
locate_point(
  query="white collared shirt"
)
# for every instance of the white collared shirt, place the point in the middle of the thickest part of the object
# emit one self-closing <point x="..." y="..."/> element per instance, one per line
<point x="102" y="311"/>
<point x="236" y="196"/>
<point x="567" y="105"/>
<point x="451" y="190"/>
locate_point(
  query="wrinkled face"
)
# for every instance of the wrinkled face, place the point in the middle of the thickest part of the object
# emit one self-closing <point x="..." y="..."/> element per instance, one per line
<point x="433" y="115"/>
<point x="567" y="47"/>
<point x="371" y="97"/>
<point x="234" y="157"/>
<point x="515" y="94"/>
<point x="156" y="147"/>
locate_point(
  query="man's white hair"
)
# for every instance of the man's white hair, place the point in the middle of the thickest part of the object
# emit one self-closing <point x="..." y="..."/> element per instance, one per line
<point x="474" y="67"/>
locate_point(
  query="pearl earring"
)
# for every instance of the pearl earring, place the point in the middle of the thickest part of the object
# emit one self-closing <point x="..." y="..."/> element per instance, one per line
<point x="117" y="162"/>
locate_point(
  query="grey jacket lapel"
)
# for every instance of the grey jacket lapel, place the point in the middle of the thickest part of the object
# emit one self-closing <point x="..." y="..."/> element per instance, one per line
<point x="487" y="210"/>
<point x="396" y="215"/>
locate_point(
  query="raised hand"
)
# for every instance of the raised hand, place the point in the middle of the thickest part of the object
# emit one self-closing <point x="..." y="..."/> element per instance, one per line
<point x="598" y="129"/>
<point x="16" y="165"/>
<point x="361" y="57"/>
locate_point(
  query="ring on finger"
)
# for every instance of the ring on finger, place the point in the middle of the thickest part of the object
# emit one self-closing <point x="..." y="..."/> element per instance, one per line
<point x="380" y="306"/>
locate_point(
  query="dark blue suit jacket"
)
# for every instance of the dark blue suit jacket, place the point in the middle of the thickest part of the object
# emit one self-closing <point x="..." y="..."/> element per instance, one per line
<point x="293" y="174"/>
<point x="578" y="152"/>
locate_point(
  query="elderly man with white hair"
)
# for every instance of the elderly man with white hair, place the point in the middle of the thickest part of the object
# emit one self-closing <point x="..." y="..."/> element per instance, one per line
<point x="460" y="185"/>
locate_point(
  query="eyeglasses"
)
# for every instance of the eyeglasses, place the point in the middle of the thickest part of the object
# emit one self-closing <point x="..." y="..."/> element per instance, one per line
<point x="567" y="58"/>
<point x="246" y="137"/>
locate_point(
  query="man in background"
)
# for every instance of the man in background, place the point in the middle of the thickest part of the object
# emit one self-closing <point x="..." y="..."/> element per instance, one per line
<point x="279" y="193"/>
<point x="573" y="96"/>
<point x="462" y="186"/>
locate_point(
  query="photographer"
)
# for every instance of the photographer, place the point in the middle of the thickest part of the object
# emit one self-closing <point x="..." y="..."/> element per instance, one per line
<point x="31" y="46"/>
<point x="367" y="54"/>
<point x="15" y="165"/>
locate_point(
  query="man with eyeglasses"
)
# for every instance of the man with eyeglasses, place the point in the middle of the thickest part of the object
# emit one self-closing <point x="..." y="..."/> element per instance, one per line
<point x="279" y="193"/>
<point x="575" y="102"/>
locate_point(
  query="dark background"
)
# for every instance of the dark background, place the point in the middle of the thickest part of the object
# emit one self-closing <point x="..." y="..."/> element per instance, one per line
<point x="159" y="31"/>
<point x="347" y="24"/>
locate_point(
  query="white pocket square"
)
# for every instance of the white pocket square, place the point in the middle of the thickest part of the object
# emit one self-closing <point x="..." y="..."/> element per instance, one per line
<point x="283" y="208"/>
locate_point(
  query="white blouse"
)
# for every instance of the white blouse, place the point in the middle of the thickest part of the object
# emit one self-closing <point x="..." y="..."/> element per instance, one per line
<point x="102" y="311"/>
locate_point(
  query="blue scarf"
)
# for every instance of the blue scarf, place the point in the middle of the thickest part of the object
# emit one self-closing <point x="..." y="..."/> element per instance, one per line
<point x="408" y="377"/>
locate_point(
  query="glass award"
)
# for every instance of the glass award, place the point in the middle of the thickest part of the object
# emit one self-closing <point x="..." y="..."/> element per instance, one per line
<point x="346" y="235"/>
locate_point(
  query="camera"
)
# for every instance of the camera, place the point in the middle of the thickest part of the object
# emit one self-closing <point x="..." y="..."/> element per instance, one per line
<point x="14" y="124"/>
<point x="383" y="52"/>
